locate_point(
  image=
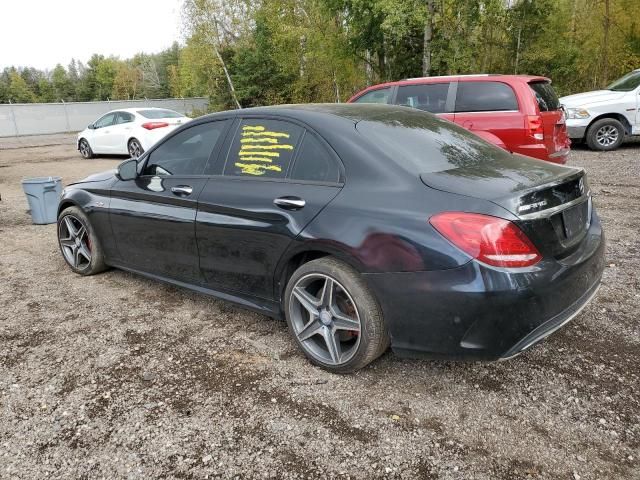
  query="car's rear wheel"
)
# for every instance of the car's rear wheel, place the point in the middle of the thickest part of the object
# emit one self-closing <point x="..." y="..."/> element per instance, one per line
<point x="135" y="148"/>
<point x="78" y="243"/>
<point x="85" y="149"/>
<point x="605" y="134"/>
<point x="334" y="317"/>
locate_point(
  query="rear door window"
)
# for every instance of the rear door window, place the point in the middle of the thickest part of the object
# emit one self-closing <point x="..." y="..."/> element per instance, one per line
<point x="263" y="148"/>
<point x="381" y="95"/>
<point x="314" y="162"/>
<point x="485" y="97"/>
<point x="545" y="96"/>
<point x="430" y="97"/>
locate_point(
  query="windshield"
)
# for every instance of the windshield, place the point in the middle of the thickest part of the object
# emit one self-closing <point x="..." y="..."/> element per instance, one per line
<point x="159" y="113"/>
<point x="627" y="83"/>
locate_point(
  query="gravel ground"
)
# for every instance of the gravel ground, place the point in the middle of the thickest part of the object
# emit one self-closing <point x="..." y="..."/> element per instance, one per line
<point x="117" y="376"/>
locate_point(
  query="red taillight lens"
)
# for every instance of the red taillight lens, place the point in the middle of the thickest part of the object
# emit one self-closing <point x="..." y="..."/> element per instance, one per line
<point x="491" y="240"/>
<point x="154" y="125"/>
<point x="535" y="127"/>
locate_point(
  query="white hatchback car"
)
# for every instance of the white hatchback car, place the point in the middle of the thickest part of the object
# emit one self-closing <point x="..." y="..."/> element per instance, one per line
<point x="129" y="131"/>
<point x="603" y="118"/>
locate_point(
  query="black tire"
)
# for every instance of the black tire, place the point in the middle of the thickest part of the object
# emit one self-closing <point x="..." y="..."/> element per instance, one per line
<point x="605" y="134"/>
<point x="372" y="337"/>
<point x="72" y="249"/>
<point x="85" y="149"/>
<point x="134" y="147"/>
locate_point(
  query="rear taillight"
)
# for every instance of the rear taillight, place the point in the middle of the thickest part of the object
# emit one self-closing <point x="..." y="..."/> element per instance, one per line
<point x="491" y="240"/>
<point x="535" y="127"/>
<point x="154" y="125"/>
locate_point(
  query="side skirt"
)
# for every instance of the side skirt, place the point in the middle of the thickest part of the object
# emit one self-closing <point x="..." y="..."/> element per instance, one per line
<point x="265" y="307"/>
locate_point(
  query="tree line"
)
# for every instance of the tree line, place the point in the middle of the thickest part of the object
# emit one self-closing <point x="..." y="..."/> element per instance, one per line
<point x="248" y="53"/>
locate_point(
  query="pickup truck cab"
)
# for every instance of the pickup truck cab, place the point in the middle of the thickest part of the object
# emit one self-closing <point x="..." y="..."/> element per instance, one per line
<point x="603" y="118"/>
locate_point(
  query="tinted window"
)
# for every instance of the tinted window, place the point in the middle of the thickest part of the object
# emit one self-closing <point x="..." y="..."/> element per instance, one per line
<point x="159" y="113"/>
<point x="262" y="148"/>
<point x="124" y="117"/>
<point x="545" y="96"/>
<point x="105" y="121"/>
<point x="430" y="97"/>
<point x="187" y="152"/>
<point x="423" y="143"/>
<point x="314" y="162"/>
<point x="375" y="96"/>
<point x="485" y="97"/>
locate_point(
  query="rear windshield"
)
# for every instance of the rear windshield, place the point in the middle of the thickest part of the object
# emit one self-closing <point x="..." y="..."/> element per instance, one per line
<point x="545" y="96"/>
<point x="423" y="143"/>
<point x="159" y="113"/>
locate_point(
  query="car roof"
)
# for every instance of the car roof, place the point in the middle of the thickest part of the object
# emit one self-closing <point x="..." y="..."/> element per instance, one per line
<point x="137" y="109"/>
<point x="460" y="78"/>
<point x="317" y="111"/>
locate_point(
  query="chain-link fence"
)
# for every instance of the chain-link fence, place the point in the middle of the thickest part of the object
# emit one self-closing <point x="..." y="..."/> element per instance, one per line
<point x="42" y="118"/>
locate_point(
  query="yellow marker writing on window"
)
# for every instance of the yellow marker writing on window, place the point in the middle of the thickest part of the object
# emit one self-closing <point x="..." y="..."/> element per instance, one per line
<point x="257" y="128"/>
<point x="267" y="147"/>
<point x="266" y="154"/>
<point x="266" y="134"/>
<point x="259" y="140"/>
<point x="257" y="169"/>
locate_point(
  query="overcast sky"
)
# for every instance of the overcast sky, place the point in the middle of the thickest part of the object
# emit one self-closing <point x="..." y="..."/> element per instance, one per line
<point x="42" y="33"/>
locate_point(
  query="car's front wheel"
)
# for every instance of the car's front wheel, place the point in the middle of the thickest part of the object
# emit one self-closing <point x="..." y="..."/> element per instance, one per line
<point x="78" y="243"/>
<point x="334" y="317"/>
<point x="85" y="149"/>
<point x="135" y="148"/>
<point x="605" y="134"/>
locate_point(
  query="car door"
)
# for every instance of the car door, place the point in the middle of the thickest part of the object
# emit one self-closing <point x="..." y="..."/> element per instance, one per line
<point x="101" y="132"/>
<point x="277" y="177"/>
<point x="120" y="132"/>
<point x="490" y="106"/>
<point x="152" y="217"/>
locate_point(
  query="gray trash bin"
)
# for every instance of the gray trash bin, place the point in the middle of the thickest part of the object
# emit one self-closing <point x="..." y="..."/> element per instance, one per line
<point x="43" y="194"/>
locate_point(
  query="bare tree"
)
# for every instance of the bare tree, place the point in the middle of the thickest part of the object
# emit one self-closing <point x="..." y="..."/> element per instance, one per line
<point x="220" y="22"/>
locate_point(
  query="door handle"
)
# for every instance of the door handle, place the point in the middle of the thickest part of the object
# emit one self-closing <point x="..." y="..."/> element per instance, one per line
<point x="182" y="190"/>
<point x="290" y="203"/>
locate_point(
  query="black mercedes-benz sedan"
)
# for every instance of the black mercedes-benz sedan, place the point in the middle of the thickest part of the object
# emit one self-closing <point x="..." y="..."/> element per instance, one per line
<point x="363" y="226"/>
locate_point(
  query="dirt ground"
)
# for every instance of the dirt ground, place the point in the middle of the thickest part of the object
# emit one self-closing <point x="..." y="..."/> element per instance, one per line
<point x="116" y="376"/>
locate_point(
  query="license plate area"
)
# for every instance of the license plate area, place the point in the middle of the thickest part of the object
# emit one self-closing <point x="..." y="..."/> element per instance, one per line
<point x="574" y="221"/>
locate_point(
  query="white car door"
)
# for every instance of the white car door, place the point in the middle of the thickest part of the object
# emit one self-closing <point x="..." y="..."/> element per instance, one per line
<point x="636" y="127"/>
<point x="120" y="132"/>
<point x="101" y="143"/>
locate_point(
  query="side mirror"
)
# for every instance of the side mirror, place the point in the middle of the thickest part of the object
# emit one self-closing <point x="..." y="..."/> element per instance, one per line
<point x="91" y="126"/>
<point x="128" y="170"/>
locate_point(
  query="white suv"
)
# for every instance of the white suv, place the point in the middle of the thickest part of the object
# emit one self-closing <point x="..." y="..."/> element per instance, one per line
<point x="603" y="118"/>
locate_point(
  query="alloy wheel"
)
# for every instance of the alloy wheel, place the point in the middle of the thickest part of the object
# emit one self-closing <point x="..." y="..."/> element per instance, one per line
<point x="607" y="135"/>
<point x="135" y="149"/>
<point x="325" y="319"/>
<point x="75" y="242"/>
<point x="85" y="149"/>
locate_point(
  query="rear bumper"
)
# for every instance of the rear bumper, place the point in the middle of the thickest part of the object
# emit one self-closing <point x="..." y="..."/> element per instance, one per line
<point x="540" y="151"/>
<point x="478" y="312"/>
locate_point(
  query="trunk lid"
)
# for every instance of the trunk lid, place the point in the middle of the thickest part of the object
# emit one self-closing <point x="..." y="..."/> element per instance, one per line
<point x="552" y="203"/>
